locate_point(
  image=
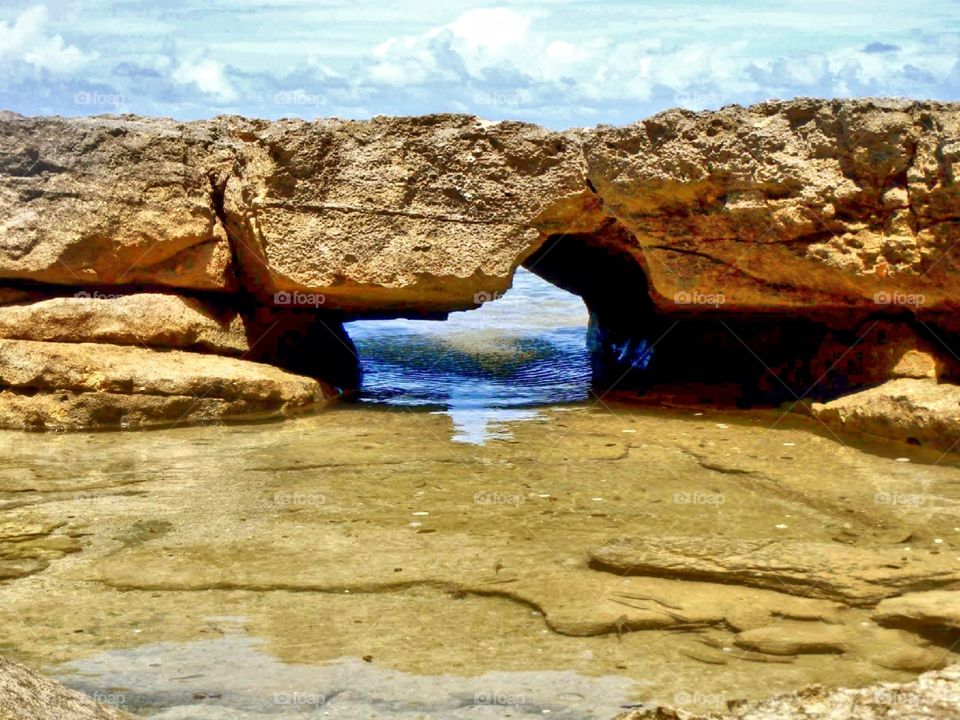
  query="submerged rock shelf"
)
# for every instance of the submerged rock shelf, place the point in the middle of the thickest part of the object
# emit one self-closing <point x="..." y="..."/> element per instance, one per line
<point x="367" y="537"/>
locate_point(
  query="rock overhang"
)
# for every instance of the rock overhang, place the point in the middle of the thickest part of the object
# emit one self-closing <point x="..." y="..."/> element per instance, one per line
<point x="784" y="206"/>
<point x="781" y="230"/>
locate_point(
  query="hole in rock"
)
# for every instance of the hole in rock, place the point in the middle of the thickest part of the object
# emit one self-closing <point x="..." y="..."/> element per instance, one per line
<point x="602" y="268"/>
<point x="499" y="362"/>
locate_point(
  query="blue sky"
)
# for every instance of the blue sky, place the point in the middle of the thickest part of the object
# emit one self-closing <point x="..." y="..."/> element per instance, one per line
<point x="554" y="62"/>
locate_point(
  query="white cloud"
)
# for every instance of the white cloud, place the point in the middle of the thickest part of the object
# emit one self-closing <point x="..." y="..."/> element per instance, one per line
<point x="402" y="61"/>
<point x="206" y="74"/>
<point x="490" y="29"/>
<point x="856" y="70"/>
<point x="476" y="43"/>
<point x="26" y="40"/>
<point x="537" y="60"/>
<point x="502" y="51"/>
<point x="507" y="58"/>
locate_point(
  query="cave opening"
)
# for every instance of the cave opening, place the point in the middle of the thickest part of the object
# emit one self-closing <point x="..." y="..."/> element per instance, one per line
<point x="581" y="323"/>
<point x="605" y="269"/>
<point x="670" y="350"/>
<point x="517" y="351"/>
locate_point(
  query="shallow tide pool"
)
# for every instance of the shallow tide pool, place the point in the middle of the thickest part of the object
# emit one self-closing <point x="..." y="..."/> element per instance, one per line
<point x="426" y="552"/>
<point x="360" y="563"/>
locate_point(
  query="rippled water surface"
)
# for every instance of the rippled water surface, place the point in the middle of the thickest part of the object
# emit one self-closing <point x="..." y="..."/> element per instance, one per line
<point x="482" y="367"/>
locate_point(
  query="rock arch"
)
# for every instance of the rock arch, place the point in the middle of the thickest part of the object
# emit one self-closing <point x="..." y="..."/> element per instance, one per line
<point x="811" y="219"/>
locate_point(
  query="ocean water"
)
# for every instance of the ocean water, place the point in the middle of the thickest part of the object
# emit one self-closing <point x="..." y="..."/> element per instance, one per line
<point x="483" y="367"/>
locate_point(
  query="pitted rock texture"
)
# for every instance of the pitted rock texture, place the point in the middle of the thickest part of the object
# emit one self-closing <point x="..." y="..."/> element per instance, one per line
<point x="799" y="204"/>
<point x="778" y="206"/>
<point x="414" y="213"/>
<point x="932" y="696"/>
<point x="111" y="200"/>
<point x="28" y="695"/>
<point x="838" y="213"/>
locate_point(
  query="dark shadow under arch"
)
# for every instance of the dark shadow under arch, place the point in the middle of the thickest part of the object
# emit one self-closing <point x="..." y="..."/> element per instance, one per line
<point x="698" y="355"/>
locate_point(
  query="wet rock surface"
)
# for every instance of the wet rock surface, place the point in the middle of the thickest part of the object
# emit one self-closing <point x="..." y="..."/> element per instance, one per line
<point x="287" y="548"/>
<point x="933" y="608"/>
<point x="931" y="697"/>
<point x="27" y="547"/>
<point x="795" y="638"/>
<point x="905" y="409"/>
<point x="833" y="571"/>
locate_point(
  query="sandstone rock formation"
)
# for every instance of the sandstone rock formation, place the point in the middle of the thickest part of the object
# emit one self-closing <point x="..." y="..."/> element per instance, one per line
<point x="27" y="548"/>
<point x="113" y="201"/>
<point x="63" y="386"/>
<point x="394" y="214"/>
<point x="832" y="571"/>
<point x="785" y="205"/>
<point x="933" y="696"/>
<point x="881" y="351"/>
<point x="919" y="411"/>
<point x="142" y="319"/>
<point x="798" y="224"/>
<point x="806" y="203"/>
<point x="28" y="695"/>
<point x="777" y="206"/>
<point x="794" y="639"/>
<point x="934" y="608"/>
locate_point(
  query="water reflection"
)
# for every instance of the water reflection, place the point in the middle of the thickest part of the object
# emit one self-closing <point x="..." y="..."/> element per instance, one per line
<point x="232" y="678"/>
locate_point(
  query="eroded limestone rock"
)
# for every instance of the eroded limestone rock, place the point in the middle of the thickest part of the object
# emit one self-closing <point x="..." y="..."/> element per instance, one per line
<point x="394" y="214"/>
<point x="910" y="659"/>
<point x="779" y="206"/>
<point x="935" y="608"/>
<point x="832" y="571"/>
<point x="914" y="410"/>
<point x="815" y="215"/>
<point x="795" y="638"/>
<point x="48" y="385"/>
<point x="932" y="696"/>
<point x="28" y="695"/>
<point x="799" y="204"/>
<point x="876" y="351"/>
<point x="27" y="545"/>
<point x="109" y="200"/>
<point x="142" y="319"/>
